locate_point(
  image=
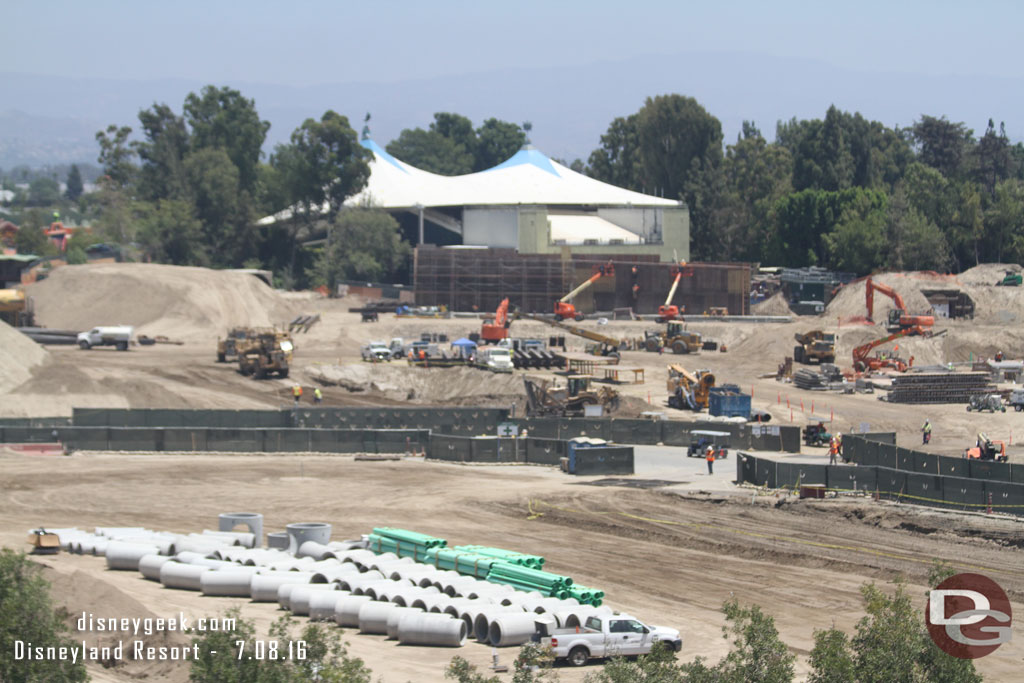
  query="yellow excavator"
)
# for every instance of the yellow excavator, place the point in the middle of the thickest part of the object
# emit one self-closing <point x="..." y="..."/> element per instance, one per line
<point x="688" y="390"/>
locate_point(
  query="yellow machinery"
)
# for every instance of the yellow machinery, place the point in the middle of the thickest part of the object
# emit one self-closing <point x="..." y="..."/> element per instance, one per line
<point x="674" y="337"/>
<point x="815" y="345"/>
<point x="688" y="390"/>
<point x="265" y="353"/>
<point x="544" y="399"/>
<point x="16" y="308"/>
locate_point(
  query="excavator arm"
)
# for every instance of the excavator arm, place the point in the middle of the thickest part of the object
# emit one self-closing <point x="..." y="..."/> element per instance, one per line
<point x="498" y="330"/>
<point x="869" y="293"/>
<point x="862" y="361"/>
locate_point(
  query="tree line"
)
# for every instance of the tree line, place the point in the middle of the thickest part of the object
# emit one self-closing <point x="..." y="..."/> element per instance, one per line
<point x="841" y="192"/>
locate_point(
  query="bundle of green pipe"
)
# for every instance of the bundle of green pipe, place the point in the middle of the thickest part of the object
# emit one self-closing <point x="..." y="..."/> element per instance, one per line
<point x="586" y="596"/>
<point x="527" y="579"/>
<point x="471" y="564"/>
<point x="403" y="543"/>
<point x="510" y="556"/>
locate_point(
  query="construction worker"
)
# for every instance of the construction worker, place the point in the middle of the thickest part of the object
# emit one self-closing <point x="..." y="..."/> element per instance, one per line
<point x="318" y="396"/>
<point x="297" y="393"/>
<point x="833" y="450"/>
<point x="926" y="432"/>
<point x="710" y="457"/>
<point x="999" y="356"/>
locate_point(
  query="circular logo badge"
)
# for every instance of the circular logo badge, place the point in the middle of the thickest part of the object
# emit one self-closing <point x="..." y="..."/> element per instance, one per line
<point x="968" y="616"/>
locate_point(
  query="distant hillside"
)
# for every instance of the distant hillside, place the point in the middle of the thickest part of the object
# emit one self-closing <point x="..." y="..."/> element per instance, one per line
<point x="570" y="107"/>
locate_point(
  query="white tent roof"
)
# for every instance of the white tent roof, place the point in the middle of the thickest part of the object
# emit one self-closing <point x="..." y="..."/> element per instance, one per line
<point x="529" y="177"/>
<point x="578" y="229"/>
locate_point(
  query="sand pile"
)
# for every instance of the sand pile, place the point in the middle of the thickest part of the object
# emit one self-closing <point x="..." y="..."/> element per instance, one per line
<point x="394" y="381"/>
<point x="850" y="300"/>
<point x="18" y="355"/>
<point x="178" y="301"/>
<point x="773" y="305"/>
<point x="986" y="273"/>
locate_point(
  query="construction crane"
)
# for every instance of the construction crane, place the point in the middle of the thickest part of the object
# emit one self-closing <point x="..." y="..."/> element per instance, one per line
<point x="862" y="361"/>
<point x="667" y="311"/>
<point x="564" y="308"/>
<point x="609" y="346"/>
<point x="899" y="319"/>
<point x="494" y="332"/>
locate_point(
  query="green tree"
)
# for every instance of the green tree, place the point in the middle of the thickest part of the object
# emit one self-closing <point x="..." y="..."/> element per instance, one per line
<point x="221" y="118"/>
<point x="659" y="666"/>
<point x="497" y="141"/>
<point x="1004" y="222"/>
<point x="324" y="656"/>
<point x="431" y="151"/>
<point x="116" y="155"/>
<point x="993" y="161"/>
<point x="221" y="206"/>
<point x="162" y="153"/>
<point x="43" y="192"/>
<point x="941" y="144"/>
<point x="912" y="241"/>
<point x="858" y="242"/>
<point x="677" y="139"/>
<point x="757" y="654"/>
<point x="534" y="664"/>
<point x="831" y="660"/>
<point x="461" y="671"/>
<point x="74" y="184"/>
<point x="617" y="160"/>
<point x="27" y="614"/>
<point x="170" y="233"/>
<point x="362" y="244"/>
<point x="30" y="238"/>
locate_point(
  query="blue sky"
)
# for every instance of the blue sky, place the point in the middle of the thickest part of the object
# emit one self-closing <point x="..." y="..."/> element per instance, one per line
<point x="318" y="41"/>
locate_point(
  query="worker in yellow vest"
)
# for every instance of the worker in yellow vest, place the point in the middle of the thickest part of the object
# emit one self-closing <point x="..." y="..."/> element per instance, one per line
<point x="297" y="393"/>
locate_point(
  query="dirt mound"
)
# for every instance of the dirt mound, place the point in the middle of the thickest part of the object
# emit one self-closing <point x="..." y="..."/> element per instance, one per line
<point x="178" y="301"/>
<point x="18" y="355"/>
<point x="850" y="301"/>
<point x="986" y="273"/>
<point x="458" y="386"/>
<point x="773" y="305"/>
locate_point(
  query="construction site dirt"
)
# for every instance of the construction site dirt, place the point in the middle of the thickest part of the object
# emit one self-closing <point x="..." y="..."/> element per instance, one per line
<point x="670" y="555"/>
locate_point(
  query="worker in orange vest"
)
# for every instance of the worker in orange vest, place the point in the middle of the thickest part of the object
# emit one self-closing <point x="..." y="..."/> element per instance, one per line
<point x="710" y="457"/>
<point x="297" y="393"/>
<point x="833" y="450"/>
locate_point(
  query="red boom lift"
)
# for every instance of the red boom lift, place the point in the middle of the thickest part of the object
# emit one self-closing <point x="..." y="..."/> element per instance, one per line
<point x="862" y="361"/>
<point x="564" y="309"/>
<point x="667" y="311"/>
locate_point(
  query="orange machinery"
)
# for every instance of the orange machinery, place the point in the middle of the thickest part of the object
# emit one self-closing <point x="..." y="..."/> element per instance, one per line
<point x="987" y="449"/>
<point x="667" y="311"/>
<point x="862" y="361"/>
<point x="494" y="332"/>
<point x="564" y="309"/>
<point x="899" y="319"/>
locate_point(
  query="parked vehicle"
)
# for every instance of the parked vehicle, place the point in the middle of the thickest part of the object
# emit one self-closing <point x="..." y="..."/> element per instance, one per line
<point x="118" y="336"/>
<point x="700" y="439"/>
<point x="606" y="635"/>
<point x="270" y="353"/>
<point x="494" y="358"/>
<point x="1017" y="399"/>
<point x="990" y="402"/>
<point x="376" y="351"/>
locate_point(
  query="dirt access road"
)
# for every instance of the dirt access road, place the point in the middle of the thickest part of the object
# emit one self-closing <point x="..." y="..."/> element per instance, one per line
<point x="664" y="558"/>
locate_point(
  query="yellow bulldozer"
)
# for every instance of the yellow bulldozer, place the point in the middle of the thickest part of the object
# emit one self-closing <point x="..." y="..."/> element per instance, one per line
<point x="674" y="337"/>
<point x="815" y="346"/>
<point x="688" y="390"/>
<point x="547" y="400"/>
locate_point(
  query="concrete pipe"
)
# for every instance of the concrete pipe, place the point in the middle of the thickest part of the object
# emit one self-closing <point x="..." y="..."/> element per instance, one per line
<point x="262" y="558"/>
<point x="547" y="605"/>
<point x="183" y="544"/>
<point x="278" y="540"/>
<point x="163" y="544"/>
<point x="413" y="573"/>
<point x="439" y="630"/>
<point x="346" y="612"/>
<point x="341" y="546"/>
<point x="242" y="539"/>
<point x="456" y="605"/>
<point x="300" y="596"/>
<point x="443" y="577"/>
<point x="284" y="591"/>
<point x="389" y="593"/>
<point x="404" y="595"/>
<point x="185" y="576"/>
<point x="431" y="603"/>
<point x="233" y="582"/>
<point x="485" y="591"/>
<point x="395" y="615"/>
<point x="333" y="573"/>
<point x="463" y="587"/>
<point x="373" y="587"/>
<point x="227" y="521"/>
<point x="323" y="604"/>
<point x="121" y="555"/>
<point x="318" y="551"/>
<point x="115" y="531"/>
<point x="482" y="622"/>
<point x="317" y="565"/>
<point x="290" y="564"/>
<point x="512" y="629"/>
<point x="357" y="556"/>
<point x="373" y="617"/>
<point x="350" y="582"/>
<point x="390" y="564"/>
<point x="149" y="565"/>
<point x="300" y="532"/>
<point x="263" y="587"/>
<point x="216" y="564"/>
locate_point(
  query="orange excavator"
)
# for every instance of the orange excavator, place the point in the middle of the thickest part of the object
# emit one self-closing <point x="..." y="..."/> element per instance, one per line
<point x="564" y="308"/>
<point x="899" y="319"/>
<point x="862" y="361"/>
<point x="494" y="332"/>
<point x="667" y="311"/>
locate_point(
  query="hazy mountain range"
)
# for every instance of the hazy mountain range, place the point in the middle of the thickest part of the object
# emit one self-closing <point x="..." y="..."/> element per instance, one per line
<point x="50" y="119"/>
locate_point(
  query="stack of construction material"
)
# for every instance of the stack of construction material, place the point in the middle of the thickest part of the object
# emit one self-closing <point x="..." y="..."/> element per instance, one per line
<point x="526" y="579"/>
<point x="809" y="379"/>
<point x="944" y="387"/>
<point x="509" y="556"/>
<point x="403" y="543"/>
<point x="586" y="596"/>
<point x="471" y="564"/>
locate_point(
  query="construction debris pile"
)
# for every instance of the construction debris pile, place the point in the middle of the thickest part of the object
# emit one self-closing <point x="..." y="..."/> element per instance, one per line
<point x="943" y="387"/>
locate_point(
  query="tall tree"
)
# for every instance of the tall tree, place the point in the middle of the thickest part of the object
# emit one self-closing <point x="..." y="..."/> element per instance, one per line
<point x="170" y="233"/>
<point x="162" y="153"/>
<point x="941" y="144"/>
<point x="673" y="132"/>
<point x="993" y="159"/>
<point x="362" y="244"/>
<point x="617" y="160"/>
<point x="221" y="206"/>
<point x="74" y="184"/>
<point x="431" y="151"/>
<point x="497" y="141"/>
<point x="220" y="118"/>
<point x="116" y="154"/>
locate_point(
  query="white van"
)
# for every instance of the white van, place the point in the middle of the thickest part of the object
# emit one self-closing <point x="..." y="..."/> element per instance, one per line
<point x="494" y="358"/>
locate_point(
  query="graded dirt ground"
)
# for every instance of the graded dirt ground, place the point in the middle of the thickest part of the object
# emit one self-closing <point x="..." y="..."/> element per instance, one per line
<point x="664" y="558"/>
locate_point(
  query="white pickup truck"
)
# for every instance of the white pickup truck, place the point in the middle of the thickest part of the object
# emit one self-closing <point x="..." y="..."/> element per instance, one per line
<point x="117" y="336"/>
<point x="608" y="635"/>
<point x="376" y="351"/>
